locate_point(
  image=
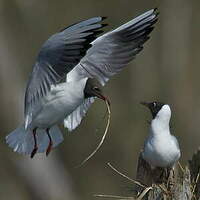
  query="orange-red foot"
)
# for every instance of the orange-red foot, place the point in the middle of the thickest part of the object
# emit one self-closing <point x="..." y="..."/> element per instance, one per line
<point x="49" y="148"/>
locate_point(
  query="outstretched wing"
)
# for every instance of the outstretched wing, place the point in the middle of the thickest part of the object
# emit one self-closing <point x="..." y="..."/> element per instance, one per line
<point x="111" y="52"/>
<point x="59" y="54"/>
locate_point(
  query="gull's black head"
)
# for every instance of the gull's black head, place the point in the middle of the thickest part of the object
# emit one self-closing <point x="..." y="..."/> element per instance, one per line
<point x="92" y="89"/>
<point x="154" y="107"/>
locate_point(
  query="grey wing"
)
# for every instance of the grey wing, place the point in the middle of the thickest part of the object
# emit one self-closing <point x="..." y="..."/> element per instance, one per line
<point x="58" y="55"/>
<point x="111" y="52"/>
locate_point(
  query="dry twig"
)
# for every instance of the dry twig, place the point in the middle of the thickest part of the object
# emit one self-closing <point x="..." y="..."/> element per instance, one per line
<point x="113" y="196"/>
<point x="123" y="175"/>
<point x="103" y="137"/>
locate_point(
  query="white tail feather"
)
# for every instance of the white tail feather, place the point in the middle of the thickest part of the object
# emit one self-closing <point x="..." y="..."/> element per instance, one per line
<point x="21" y="140"/>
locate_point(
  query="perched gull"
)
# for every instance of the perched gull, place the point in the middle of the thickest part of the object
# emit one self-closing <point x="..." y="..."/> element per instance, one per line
<point x="48" y="101"/>
<point x="161" y="149"/>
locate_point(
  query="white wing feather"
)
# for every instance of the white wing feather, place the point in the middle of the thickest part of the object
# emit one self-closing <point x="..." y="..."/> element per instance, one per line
<point x="74" y="119"/>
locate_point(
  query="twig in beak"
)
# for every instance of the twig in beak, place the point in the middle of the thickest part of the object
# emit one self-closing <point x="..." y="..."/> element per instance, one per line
<point x="104" y="98"/>
<point x="107" y="101"/>
<point x="103" y="137"/>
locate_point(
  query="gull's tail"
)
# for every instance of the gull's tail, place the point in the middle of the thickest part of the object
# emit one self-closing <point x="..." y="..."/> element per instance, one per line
<point x="21" y="140"/>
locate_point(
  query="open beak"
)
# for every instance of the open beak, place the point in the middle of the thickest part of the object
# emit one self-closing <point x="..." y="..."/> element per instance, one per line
<point x="101" y="96"/>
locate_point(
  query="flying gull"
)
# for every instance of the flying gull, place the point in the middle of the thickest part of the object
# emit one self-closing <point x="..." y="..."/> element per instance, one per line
<point x="49" y="100"/>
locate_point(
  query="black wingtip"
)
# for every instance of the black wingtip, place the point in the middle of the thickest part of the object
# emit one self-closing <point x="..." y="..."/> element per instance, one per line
<point x="103" y="18"/>
<point x="83" y="51"/>
<point x="103" y="25"/>
<point x="156" y="19"/>
<point x="98" y="32"/>
<point x="157" y="14"/>
<point x="155" y="10"/>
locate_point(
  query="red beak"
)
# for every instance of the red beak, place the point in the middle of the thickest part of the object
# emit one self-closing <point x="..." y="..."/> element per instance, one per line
<point x="101" y="96"/>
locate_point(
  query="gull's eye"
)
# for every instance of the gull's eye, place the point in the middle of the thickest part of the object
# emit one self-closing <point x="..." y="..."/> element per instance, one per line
<point x="96" y="88"/>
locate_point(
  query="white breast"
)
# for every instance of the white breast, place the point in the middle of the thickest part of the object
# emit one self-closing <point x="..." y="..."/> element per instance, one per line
<point x="161" y="149"/>
<point x="63" y="99"/>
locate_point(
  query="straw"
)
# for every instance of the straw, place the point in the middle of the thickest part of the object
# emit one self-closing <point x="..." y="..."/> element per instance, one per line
<point x="103" y="137"/>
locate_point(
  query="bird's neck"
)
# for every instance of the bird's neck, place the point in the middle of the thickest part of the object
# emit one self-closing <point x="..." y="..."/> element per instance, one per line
<point x="160" y="126"/>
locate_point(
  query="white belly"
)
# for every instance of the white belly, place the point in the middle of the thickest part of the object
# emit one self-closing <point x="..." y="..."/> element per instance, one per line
<point x="58" y="104"/>
<point x="161" y="152"/>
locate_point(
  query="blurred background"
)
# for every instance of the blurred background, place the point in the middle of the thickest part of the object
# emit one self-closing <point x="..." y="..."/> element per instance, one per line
<point x="166" y="70"/>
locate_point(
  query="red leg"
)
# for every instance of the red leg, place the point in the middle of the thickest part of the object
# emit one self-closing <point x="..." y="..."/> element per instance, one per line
<point x="35" y="143"/>
<point x="50" y="143"/>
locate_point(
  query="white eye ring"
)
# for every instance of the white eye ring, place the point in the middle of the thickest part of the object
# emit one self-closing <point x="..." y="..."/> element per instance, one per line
<point x="154" y="104"/>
